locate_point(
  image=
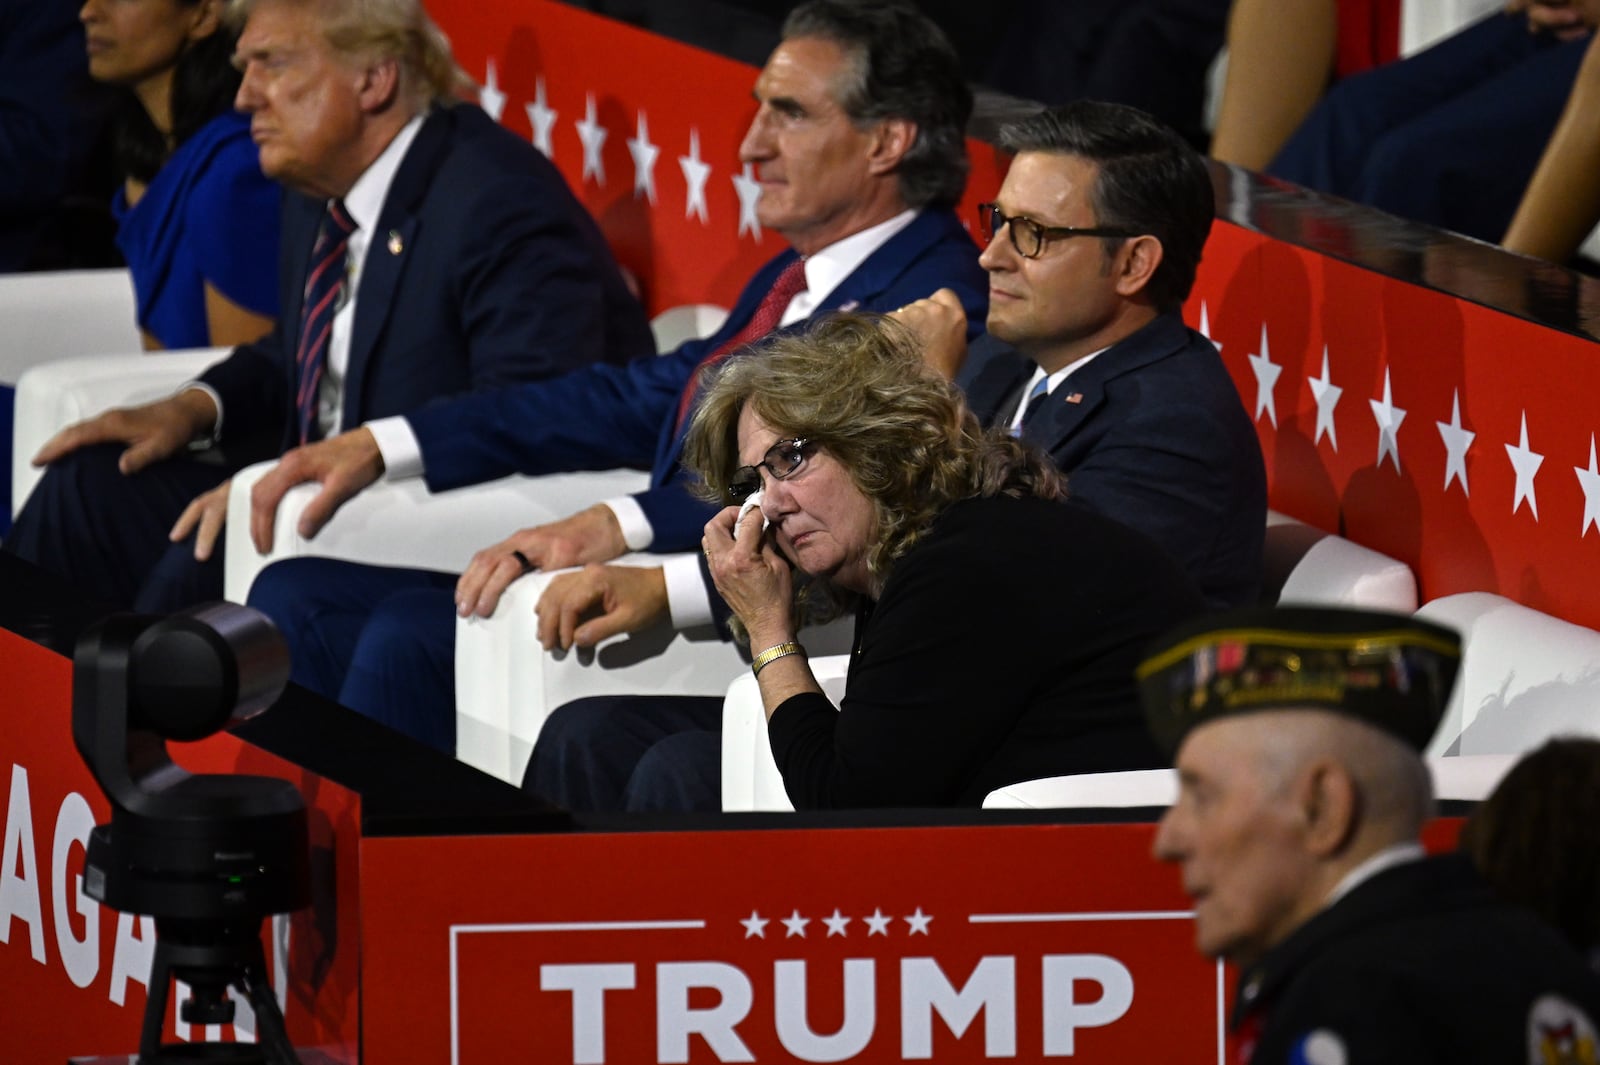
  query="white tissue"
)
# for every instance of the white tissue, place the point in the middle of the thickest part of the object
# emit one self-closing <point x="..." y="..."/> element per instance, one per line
<point x="750" y="503"/>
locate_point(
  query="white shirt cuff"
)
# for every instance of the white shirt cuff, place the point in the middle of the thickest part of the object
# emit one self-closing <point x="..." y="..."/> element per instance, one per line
<point x="687" y="597"/>
<point x="636" y="530"/>
<point x="216" y="400"/>
<point x="397" y="444"/>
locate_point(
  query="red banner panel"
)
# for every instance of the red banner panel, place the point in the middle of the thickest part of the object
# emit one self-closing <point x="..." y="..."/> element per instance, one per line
<point x="646" y="130"/>
<point x="74" y="971"/>
<point x="1015" y="943"/>
<point x="1454" y="437"/>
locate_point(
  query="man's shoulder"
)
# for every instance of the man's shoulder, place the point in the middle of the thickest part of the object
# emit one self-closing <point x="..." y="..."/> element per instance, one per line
<point x="1429" y="936"/>
<point x="463" y="147"/>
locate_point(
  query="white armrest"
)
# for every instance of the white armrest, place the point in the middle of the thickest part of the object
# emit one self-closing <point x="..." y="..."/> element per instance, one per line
<point x="55" y="395"/>
<point x="1133" y="787"/>
<point x="506" y="686"/>
<point x="1525" y="677"/>
<point x="1308" y="567"/>
<point x="688" y="321"/>
<point x="60" y="314"/>
<point x="401" y="523"/>
<point x="750" y="777"/>
<point x="1470" y="777"/>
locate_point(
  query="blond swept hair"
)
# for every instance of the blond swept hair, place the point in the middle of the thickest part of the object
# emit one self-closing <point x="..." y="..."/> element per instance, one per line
<point x="386" y="29"/>
<point x="856" y="385"/>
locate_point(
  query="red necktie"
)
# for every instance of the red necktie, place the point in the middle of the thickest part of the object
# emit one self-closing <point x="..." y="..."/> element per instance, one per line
<point x="788" y="284"/>
<point x="321" y="301"/>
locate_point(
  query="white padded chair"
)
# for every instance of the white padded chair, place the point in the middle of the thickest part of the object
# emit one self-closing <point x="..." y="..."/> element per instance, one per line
<point x="506" y="686"/>
<point x="53" y="395"/>
<point x="1471" y="777"/>
<point x="1304" y="566"/>
<point x="690" y="321"/>
<point x="750" y="777"/>
<point x="60" y="314"/>
<point x="1525" y="677"/>
<point x="403" y="524"/>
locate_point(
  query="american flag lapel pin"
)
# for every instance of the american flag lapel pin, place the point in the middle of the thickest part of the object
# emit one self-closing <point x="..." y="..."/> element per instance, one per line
<point x="1074" y="397"/>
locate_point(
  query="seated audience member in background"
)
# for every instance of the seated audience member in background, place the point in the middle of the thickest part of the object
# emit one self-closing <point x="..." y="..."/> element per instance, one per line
<point x="51" y="119"/>
<point x="858" y="140"/>
<point x="1092" y="249"/>
<point x="1151" y="54"/>
<point x="1301" y="794"/>
<point x="997" y="629"/>
<point x="1562" y="204"/>
<point x="197" y="221"/>
<point x="1536" y="839"/>
<point x="428" y="252"/>
<point x="1451" y="135"/>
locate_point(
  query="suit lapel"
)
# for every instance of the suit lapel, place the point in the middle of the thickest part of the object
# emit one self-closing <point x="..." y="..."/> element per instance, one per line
<point x="883" y="267"/>
<point x="1073" y="403"/>
<point x="390" y="246"/>
<point x="863" y="285"/>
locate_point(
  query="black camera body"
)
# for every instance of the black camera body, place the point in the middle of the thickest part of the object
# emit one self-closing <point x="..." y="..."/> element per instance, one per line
<point x="208" y="856"/>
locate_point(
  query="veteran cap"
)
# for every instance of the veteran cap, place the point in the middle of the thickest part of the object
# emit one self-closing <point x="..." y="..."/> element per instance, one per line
<point x="1389" y="670"/>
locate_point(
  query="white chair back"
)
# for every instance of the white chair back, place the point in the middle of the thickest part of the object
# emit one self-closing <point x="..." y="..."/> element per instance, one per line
<point x="54" y="395"/>
<point x="1525" y="677"/>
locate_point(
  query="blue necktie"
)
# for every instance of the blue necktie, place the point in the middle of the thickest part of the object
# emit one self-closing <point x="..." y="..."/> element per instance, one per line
<point x="1031" y="405"/>
<point x="322" y="299"/>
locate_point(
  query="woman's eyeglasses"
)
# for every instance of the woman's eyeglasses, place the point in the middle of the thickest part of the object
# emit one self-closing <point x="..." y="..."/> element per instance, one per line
<point x="781" y="460"/>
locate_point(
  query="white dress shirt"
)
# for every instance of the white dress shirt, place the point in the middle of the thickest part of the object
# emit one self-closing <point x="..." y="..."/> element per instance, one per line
<point x="364" y="204"/>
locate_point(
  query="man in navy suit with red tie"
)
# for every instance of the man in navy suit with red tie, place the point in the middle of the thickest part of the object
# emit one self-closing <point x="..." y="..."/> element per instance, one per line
<point x="858" y="142"/>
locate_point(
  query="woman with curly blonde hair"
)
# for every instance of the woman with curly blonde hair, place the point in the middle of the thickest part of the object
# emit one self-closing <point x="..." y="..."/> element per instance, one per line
<point x="998" y="625"/>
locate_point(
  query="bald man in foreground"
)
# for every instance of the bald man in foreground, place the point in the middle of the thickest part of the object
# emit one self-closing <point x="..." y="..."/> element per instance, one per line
<point x="1302" y="793"/>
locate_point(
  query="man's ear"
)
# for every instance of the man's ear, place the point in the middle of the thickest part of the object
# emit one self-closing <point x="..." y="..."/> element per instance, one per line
<point x="379" y="86"/>
<point x="1329" y="804"/>
<point x="892" y="139"/>
<point x="206" y="20"/>
<point x="1136" y="261"/>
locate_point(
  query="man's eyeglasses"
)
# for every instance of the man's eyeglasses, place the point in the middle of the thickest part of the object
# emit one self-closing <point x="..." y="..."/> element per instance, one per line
<point x="1029" y="237"/>
<point x="782" y="460"/>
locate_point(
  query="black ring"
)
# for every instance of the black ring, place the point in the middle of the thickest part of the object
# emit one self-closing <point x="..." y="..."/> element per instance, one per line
<point x="527" y="567"/>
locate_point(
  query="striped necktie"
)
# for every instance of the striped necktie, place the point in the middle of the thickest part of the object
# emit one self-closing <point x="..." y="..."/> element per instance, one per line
<point x="785" y="287"/>
<point x="1031" y="405"/>
<point x="323" y="296"/>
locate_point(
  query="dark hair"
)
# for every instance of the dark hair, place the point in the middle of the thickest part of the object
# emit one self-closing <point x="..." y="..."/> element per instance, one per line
<point x="856" y="384"/>
<point x="204" y="84"/>
<point x="1536" y="839"/>
<point x="904" y="67"/>
<point x="1150" y="180"/>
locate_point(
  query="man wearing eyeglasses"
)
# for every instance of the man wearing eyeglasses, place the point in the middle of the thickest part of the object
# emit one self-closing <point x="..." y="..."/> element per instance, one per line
<point x="858" y="142"/>
<point x="1092" y="246"/>
<point x="1093" y="242"/>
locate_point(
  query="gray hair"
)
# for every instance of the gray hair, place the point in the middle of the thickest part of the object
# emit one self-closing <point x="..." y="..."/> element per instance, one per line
<point x="903" y="67"/>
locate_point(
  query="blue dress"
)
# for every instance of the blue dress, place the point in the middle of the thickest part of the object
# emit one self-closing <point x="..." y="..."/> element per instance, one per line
<point x="209" y="216"/>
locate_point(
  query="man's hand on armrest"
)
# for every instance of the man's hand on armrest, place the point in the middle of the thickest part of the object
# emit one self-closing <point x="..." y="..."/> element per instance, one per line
<point x="613" y="599"/>
<point x="152" y="432"/>
<point x="343" y="465"/>
<point x="591" y="535"/>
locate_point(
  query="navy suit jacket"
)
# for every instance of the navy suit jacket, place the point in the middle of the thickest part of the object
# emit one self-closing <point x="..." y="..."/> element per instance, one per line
<point x="1152" y="433"/>
<point x="605" y="417"/>
<point x="483" y="270"/>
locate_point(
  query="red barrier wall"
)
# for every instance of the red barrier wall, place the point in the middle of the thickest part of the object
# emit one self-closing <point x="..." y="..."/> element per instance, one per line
<point x="1473" y="525"/>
